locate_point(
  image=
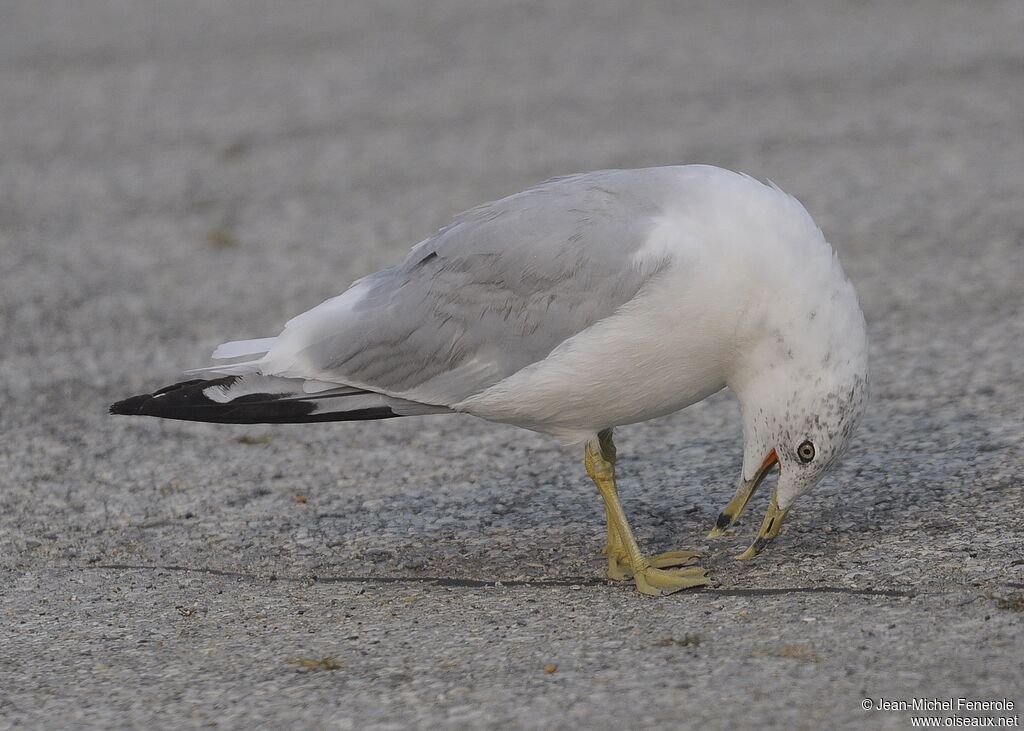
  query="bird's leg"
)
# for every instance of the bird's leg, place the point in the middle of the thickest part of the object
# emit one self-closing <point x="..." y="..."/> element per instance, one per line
<point x="619" y="567"/>
<point x="624" y="556"/>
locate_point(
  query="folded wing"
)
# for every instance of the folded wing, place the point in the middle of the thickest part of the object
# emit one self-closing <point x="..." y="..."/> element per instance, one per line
<point x="495" y="291"/>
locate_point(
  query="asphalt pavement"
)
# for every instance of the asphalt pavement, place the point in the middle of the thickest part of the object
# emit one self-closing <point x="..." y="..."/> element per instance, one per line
<point x="177" y="174"/>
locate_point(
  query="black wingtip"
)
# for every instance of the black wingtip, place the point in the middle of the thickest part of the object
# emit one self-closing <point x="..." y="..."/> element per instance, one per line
<point x="188" y="401"/>
<point x="130" y="406"/>
<point x="186" y="393"/>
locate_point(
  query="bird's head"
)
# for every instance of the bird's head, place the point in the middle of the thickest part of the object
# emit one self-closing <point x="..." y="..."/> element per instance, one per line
<point x="802" y="387"/>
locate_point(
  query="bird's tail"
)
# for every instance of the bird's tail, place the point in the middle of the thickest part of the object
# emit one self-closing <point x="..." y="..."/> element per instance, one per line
<point x="259" y="399"/>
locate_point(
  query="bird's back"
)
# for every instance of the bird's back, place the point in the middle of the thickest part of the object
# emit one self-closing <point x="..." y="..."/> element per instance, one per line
<point x="497" y="290"/>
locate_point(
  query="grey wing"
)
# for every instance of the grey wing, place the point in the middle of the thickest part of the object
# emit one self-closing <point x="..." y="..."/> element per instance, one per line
<point x="495" y="291"/>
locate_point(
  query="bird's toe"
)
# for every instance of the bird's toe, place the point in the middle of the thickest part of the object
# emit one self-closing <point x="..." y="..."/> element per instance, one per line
<point x="659" y="582"/>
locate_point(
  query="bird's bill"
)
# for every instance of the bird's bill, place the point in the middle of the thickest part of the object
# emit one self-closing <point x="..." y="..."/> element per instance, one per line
<point x="743" y="494"/>
<point x="770" y="527"/>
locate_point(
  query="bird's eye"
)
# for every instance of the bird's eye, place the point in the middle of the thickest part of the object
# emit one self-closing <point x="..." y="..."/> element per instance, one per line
<point x="805" y="451"/>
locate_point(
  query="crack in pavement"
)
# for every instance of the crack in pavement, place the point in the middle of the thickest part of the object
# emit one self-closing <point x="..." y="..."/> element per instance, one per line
<point x="495" y="583"/>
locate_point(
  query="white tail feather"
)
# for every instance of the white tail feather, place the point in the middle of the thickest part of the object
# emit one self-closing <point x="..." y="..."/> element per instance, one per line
<point x="242" y="348"/>
<point x="228" y="369"/>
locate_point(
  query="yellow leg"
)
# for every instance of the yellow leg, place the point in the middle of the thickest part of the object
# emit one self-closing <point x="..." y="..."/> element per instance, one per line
<point x="619" y="568"/>
<point x="624" y="556"/>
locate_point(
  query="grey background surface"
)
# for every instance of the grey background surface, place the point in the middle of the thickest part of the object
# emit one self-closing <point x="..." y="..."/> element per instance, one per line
<point x="175" y="174"/>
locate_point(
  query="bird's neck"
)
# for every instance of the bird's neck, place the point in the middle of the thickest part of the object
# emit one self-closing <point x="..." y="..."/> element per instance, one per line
<point x="802" y="320"/>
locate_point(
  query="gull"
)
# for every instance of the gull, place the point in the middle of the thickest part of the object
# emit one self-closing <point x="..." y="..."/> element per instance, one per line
<point x="581" y="304"/>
